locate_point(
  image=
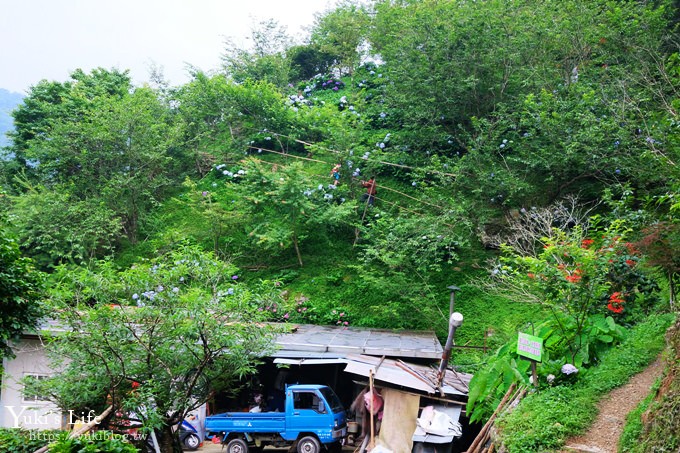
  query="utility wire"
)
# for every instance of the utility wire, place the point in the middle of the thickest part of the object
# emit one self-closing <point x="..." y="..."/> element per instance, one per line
<point x="378" y="161"/>
<point x="327" y="163"/>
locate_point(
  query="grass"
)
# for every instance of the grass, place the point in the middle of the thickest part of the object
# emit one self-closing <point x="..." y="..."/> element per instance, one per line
<point x="544" y="420"/>
<point x="655" y="424"/>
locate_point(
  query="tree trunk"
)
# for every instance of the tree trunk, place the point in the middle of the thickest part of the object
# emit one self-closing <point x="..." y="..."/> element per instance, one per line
<point x="169" y="440"/>
<point x="297" y="249"/>
<point x="671" y="289"/>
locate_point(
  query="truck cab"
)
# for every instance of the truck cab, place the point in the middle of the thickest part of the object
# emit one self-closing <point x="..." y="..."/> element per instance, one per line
<point x="313" y="416"/>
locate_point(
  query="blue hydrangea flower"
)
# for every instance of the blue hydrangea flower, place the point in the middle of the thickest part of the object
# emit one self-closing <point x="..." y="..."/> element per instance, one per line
<point x="568" y="369"/>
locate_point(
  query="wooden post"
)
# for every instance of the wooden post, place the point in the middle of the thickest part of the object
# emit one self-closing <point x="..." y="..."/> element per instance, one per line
<point x="371" y="389"/>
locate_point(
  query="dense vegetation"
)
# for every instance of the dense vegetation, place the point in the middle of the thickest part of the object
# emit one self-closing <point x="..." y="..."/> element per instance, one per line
<point x="524" y="151"/>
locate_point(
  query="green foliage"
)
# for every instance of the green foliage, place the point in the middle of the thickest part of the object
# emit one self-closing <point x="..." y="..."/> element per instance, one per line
<point x="575" y="276"/>
<point x="50" y="103"/>
<point x="629" y="440"/>
<point x="284" y="206"/>
<point x="657" y="429"/>
<point x="471" y="112"/>
<point x="155" y="339"/>
<point x="21" y="288"/>
<point x="544" y="419"/>
<point x="308" y="60"/>
<point x="94" y="442"/>
<point x="505" y="367"/>
<point x="340" y="32"/>
<point x="418" y="244"/>
<point x="14" y="440"/>
<point x="55" y="227"/>
<point x="266" y="62"/>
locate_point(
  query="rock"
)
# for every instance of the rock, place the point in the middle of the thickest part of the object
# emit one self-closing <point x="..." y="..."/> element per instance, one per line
<point x="583" y="448"/>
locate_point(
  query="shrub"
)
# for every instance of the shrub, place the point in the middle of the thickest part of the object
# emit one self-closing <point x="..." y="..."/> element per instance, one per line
<point x="96" y="442"/>
<point x="544" y="420"/>
<point x="16" y="440"/>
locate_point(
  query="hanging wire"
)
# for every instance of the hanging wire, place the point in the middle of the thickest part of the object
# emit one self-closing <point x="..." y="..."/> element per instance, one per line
<point x="378" y="161"/>
<point x="327" y="163"/>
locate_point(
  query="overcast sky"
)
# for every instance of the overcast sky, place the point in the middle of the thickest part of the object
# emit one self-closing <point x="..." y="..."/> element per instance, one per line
<point x="47" y="39"/>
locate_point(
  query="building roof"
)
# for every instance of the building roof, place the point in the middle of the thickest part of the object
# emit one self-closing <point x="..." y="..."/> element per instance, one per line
<point x="408" y="375"/>
<point x="311" y="341"/>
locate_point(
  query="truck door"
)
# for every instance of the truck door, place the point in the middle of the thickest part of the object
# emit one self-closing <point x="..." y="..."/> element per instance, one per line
<point x="310" y="413"/>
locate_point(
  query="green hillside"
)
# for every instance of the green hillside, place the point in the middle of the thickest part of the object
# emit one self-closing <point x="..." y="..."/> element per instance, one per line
<point x="525" y="152"/>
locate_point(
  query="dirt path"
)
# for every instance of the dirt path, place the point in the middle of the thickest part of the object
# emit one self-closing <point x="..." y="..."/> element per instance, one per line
<point x="603" y="435"/>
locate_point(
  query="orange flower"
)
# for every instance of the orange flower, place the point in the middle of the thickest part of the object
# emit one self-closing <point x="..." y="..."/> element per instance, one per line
<point x="574" y="278"/>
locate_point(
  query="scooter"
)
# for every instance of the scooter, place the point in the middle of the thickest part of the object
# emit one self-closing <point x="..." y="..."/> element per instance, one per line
<point x="188" y="437"/>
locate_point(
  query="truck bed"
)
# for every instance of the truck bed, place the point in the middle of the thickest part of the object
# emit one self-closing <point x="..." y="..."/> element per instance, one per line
<point x="250" y="422"/>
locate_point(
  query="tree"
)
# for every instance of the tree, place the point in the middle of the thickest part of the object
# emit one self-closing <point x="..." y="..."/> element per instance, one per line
<point x="21" y="287"/>
<point x="308" y="60"/>
<point x="266" y="61"/>
<point x="56" y="227"/>
<point x="50" y="103"/>
<point x="575" y="277"/>
<point x="105" y="169"/>
<point x="660" y="244"/>
<point x="155" y="341"/>
<point x="340" y="32"/>
<point x="284" y="207"/>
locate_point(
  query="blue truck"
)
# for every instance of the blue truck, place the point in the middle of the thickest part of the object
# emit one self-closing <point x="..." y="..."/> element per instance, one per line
<point x="313" y="418"/>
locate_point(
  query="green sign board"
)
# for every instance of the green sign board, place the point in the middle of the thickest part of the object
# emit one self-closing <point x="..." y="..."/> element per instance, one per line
<point x="530" y="346"/>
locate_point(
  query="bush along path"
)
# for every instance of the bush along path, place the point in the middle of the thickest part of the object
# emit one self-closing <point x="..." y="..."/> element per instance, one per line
<point x="605" y="431"/>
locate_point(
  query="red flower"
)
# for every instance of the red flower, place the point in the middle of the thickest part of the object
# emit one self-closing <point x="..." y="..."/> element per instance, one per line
<point x="575" y="278"/>
<point x="616" y="302"/>
<point x="531" y="275"/>
<point x="616" y="298"/>
<point x="630" y="263"/>
<point x="615" y="308"/>
<point x="586" y="243"/>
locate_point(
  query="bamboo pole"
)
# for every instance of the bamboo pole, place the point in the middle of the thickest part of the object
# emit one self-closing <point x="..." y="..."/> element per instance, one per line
<point x="83" y="429"/>
<point x="371" y="388"/>
<point x="482" y="434"/>
<point x="485" y="434"/>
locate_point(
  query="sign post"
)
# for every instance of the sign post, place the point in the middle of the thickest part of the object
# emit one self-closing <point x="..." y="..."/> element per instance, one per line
<point x="530" y="347"/>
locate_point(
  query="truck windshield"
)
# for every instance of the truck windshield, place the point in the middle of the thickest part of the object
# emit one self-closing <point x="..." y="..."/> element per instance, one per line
<point x="332" y="399"/>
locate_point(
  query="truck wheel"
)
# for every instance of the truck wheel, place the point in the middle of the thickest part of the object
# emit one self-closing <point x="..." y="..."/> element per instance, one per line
<point x="237" y="446"/>
<point x="308" y="444"/>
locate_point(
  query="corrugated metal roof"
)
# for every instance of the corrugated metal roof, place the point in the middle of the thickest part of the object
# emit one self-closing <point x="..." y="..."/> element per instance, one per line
<point x="412" y="376"/>
<point x="357" y="340"/>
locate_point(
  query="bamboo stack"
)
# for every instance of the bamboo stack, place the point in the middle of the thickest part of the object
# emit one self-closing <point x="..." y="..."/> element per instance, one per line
<point x="513" y="395"/>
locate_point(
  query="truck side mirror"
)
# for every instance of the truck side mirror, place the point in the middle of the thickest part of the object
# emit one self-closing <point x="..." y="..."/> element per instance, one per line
<point x="322" y="407"/>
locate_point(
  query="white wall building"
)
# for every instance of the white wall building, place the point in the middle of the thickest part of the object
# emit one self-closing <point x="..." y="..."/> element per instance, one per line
<point x="17" y="410"/>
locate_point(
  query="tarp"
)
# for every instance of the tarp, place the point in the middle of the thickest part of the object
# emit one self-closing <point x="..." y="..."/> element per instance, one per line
<point x="399" y="420"/>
